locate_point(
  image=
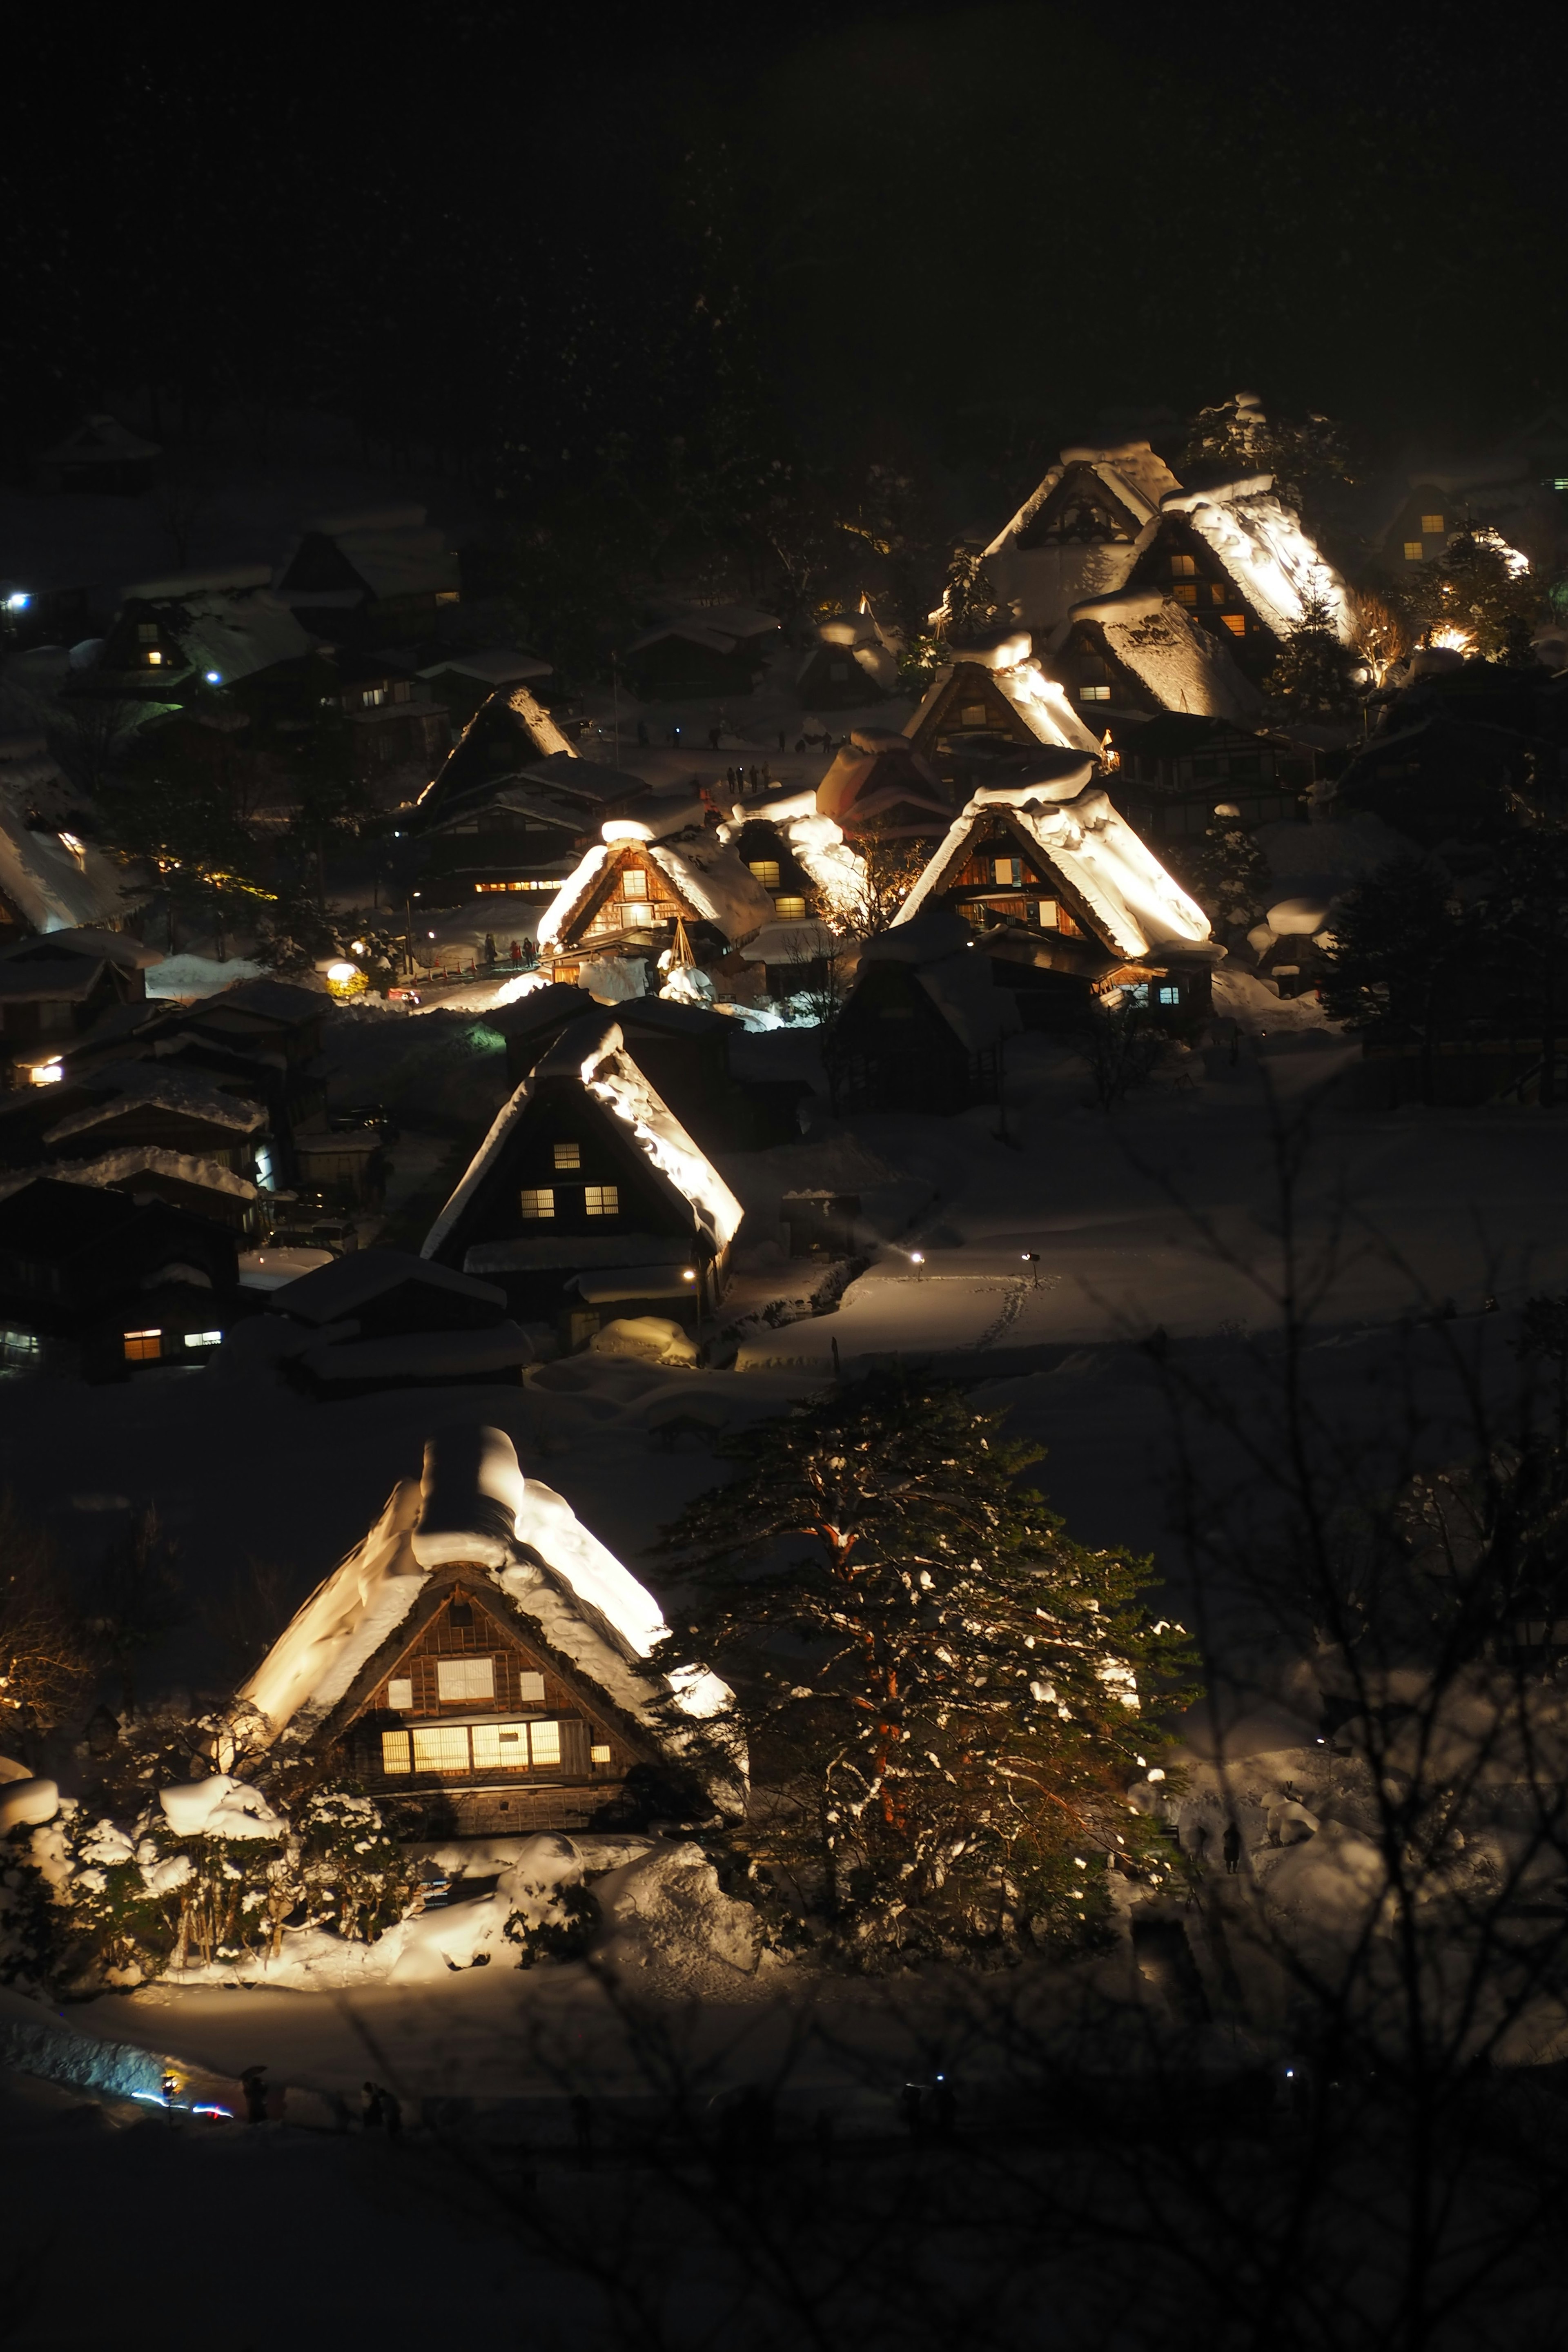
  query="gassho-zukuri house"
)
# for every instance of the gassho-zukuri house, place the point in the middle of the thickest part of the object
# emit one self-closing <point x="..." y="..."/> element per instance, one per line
<point x="1051" y="859"/>
<point x="638" y="880"/>
<point x="483" y="1655"/>
<point x="588" y="1201"/>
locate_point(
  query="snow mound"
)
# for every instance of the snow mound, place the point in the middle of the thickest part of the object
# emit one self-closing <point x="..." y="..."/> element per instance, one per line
<point x="649" y="1336"/>
<point x="194" y="976"/>
<point x="219" y="1807"/>
<point x="667" y="1911"/>
<point x="1297" y="917"/>
<point x="1329" y="1882"/>
<point x="25" y="1804"/>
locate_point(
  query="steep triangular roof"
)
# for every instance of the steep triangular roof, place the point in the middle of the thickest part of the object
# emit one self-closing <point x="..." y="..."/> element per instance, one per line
<point x="1127" y="474"/>
<point x="473" y="1514"/>
<point x="590" y="1053"/>
<point x="1019" y="699"/>
<point x="1109" y="873"/>
<point x="1182" y="666"/>
<point x="1260" y="543"/>
<point x="705" y="876"/>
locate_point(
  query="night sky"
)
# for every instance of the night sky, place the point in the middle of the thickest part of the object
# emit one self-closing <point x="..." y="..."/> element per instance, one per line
<point x="511" y="233"/>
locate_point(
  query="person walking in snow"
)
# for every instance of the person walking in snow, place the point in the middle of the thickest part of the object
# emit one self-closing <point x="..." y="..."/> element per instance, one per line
<point x="1232" y="1847"/>
<point x="253" y="2090"/>
<point x="489" y="948"/>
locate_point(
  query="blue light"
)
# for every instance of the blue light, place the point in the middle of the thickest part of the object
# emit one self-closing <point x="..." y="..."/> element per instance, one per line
<point x="19" y="602"/>
<point x="214" y="677"/>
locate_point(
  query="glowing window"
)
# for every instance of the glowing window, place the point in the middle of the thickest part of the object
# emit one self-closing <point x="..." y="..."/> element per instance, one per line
<point x="441" y="1749"/>
<point x="1413" y="551"/>
<point x="1169" y="995"/>
<point x="567" y="1155"/>
<point x="204" y="1338"/>
<point x="1008" y="870"/>
<point x="640" y="913"/>
<point x="1094" y="694"/>
<point x="546" y="1739"/>
<point x="601" y="1200"/>
<point x="792" y="909"/>
<point x="1216" y="593"/>
<point x="400" y="1691"/>
<point x="600" y="1752"/>
<point x="538" y="1203"/>
<point x="154" y="659"/>
<point x="144" y="1347"/>
<point x="1236" y="623"/>
<point x="394" y="1751"/>
<point x="530" y="1690"/>
<point x="373" y="696"/>
<point x="465" y="1678"/>
<point x="1185" y="593"/>
<point x="1184" y="567"/>
<point x="766" y="870"/>
<point x="1065" y="924"/>
<point x="634" y="882"/>
<point x="504" y="1744"/>
<point x="1050" y="914"/>
<point x="1431" y="523"/>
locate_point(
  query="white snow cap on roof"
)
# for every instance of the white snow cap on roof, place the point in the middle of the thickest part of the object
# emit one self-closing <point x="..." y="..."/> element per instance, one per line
<point x="1039" y="700"/>
<point x="1182" y="664"/>
<point x="119" y="1169"/>
<point x="1097" y="851"/>
<point x="1130" y="470"/>
<point x="52" y="887"/>
<point x="1260" y="542"/>
<point x="472" y="1505"/>
<point x="146" y="1085"/>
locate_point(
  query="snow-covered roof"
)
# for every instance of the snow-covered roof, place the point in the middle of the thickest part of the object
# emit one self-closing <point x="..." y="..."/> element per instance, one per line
<point x="1129" y="470"/>
<point x="52" y="887"/>
<point x="1094" y="850"/>
<point x="494" y="668"/>
<point x="719" y="628"/>
<point x="1260" y="542"/>
<point x="472" y="1506"/>
<point x="701" y="866"/>
<point x="395" y="550"/>
<point x="1041" y="701"/>
<point x="1184" y="666"/>
<point x="152" y="1086"/>
<point x="122" y="1168"/>
<point x="228" y="632"/>
<point x="329" y="1294"/>
<point x="591" y="1051"/>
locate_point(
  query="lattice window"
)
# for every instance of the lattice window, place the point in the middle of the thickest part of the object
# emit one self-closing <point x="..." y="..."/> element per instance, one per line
<point x="441" y="1748"/>
<point x="465" y="1678"/>
<point x="537" y="1202"/>
<point x="601" y="1200"/>
<point x="567" y="1156"/>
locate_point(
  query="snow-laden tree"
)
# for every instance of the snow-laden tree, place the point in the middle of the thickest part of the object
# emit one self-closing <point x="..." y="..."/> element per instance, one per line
<point x="1480" y="595"/>
<point x="1314" y="677"/>
<point x="946" y="1696"/>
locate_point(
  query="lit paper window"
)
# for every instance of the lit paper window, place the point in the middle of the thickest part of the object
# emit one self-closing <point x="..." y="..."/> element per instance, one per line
<point x="204" y="1338"/>
<point x="400" y="1691"/>
<point x="634" y="882"/>
<point x="766" y="870"/>
<point x="601" y="1200"/>
<point x="466" y="1678"/>
<point x="537" y="1203"/>
<point x="442" y="1748"/>
<point x="144" y="1347"/>
<point x="1413" y="551"/>
<point x="546" y="1742"/>
<point x="600" y="1752"/>
<point x="567" y="1155"/>
<point x="1183" y="567"/>
<point x="1432" y="522"/>
<point x="1236" y="623"/>
<point x="1094" y="694"/>
<point x="530" y="1690"/>
<point x="1169" y="995"/>
<point x="793" y="911"/>
<point x="1050" y="914"/>
<point x="1185" y="593"/>
<point x="500" y="1746"/>
<point x="394" y="1751"/>
<point x="1008" y="870"/>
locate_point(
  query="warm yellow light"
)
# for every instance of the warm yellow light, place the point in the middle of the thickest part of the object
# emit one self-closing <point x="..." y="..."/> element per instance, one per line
<point x="48" y="1073"/>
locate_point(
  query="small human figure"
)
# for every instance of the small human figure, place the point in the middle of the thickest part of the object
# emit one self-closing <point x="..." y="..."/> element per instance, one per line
<point x="253" y="2090"/>
<point x="515" y="953"/>
<point x="800" y="745"/>
<point x="372" y="2112"/>
<point x="1232" y="1847"/>
<point x="489" y="948"/>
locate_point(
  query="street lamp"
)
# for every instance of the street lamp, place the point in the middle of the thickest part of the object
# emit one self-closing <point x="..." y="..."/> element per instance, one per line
<point x="1032" y="1258"/>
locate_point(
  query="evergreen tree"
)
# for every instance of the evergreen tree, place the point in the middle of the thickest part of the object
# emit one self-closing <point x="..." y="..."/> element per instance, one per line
<point x="1226" y="872"/>
<point x="1304" y="457"/>
<point x="1485" y="592"/>
<point x="1313" y="677"/>
<point x="943" y="1692"/>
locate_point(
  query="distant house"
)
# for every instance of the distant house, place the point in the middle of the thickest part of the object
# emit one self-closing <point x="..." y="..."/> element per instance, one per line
<point x="1077" y="533"/>
<point x="1237" y="558"/>
<point x="175" y="636"/>
<point x="480" y="1661"/>
<point x="640" y="879"/>
<point x="1055" y="860"/>
<point x="879" y="783"/>
<point x="517" y="844"/>
<point x="145" y="1129"/>
<point x="373" y="577"/>
<point x="379" y="1318"/>
<point x="715" y="649"/>
<point x="52" y="990"/>
<point x="462" y="682"/>
<point x="54" y="881"/>
<point x="1437" y="774"/>
<point x="102" y="456"/>
<point x="848" y="667"/>
<point x="511" y="737"/>
<point x="588" y="1199"/>
<point x="924" y="1025"/>
<point x="95" y="1280"/>
<point x="393" y="723"/>
<point x="1141" y="651"/>
<point x="1175" y="774"/>
<point x="990" y="700"/>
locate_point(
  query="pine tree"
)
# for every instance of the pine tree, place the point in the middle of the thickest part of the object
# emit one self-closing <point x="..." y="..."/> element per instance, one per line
<point x="943" y="1692"/>
<point x="1483" y="590"/>
<point x="1313" y="677"/>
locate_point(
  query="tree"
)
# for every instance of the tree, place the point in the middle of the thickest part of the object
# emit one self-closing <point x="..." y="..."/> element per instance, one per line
<point x="942" y="1691"/>
<point x="46" y="1665"/>
<point x="1304" y="457"/>
<point x="1381" y="633"/>
<point x="1226" y="872"/>
<point x="136" y="1597"/>
<point x="173" y="812"/>
<point x="970" y="602"/>
<point x="1121" y="1048"/>
<point x="890" y="866"/>
<point x="1313" y="677"/>
<point x="1401" y="942"/>
<point x="1483" y="591"/>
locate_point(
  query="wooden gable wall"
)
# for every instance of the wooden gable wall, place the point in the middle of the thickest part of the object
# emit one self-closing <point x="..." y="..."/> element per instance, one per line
<point x="972" y="882"/>
<point x="1081" y="511"/>
<point x="970" y="703"/>
<point x="612" y="904"/>
<point x="562" y="1143"/>
<point x="1179" y="561"/>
